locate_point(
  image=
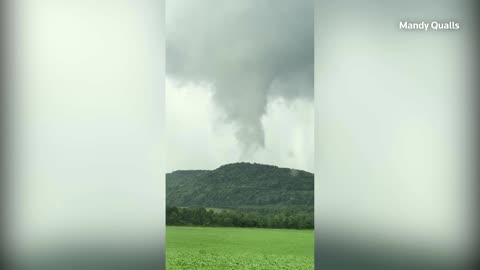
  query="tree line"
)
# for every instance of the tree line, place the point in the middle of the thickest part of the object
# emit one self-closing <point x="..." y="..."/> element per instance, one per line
<point x="262" y="218"/>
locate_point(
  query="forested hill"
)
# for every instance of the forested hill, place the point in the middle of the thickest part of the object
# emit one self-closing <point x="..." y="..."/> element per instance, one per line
<point x="241" y="185"/>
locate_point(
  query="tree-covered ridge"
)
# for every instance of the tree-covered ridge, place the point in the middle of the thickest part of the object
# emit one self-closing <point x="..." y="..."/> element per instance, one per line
<point x="241" y="185"/>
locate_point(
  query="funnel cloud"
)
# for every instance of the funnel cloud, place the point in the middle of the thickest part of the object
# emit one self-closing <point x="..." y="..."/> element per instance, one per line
<point x="249" y="51"/>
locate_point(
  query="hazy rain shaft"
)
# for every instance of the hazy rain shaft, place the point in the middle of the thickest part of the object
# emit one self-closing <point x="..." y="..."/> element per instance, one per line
<point x="249" y="51"/>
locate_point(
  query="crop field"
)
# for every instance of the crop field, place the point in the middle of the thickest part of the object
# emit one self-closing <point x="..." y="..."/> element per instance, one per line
<point x="239" y="248"/>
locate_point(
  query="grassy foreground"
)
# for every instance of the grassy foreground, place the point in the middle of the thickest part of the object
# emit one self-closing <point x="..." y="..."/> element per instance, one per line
<point x="239" y="248"/>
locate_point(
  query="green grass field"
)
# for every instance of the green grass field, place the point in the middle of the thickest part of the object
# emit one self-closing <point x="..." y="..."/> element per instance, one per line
<point x="239" y="248"/>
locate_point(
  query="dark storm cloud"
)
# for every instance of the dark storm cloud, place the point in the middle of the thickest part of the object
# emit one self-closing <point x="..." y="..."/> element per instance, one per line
<point x="250" y="50"/>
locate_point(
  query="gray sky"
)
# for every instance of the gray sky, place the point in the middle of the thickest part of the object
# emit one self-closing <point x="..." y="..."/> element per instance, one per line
<point x="239" y="83"/>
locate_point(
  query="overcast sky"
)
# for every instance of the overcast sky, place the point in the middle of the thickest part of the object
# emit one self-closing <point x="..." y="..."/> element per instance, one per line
<point x="239" y="83"/>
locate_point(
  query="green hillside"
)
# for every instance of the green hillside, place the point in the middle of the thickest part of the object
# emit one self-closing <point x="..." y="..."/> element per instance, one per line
<point x="241" y="185"/>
